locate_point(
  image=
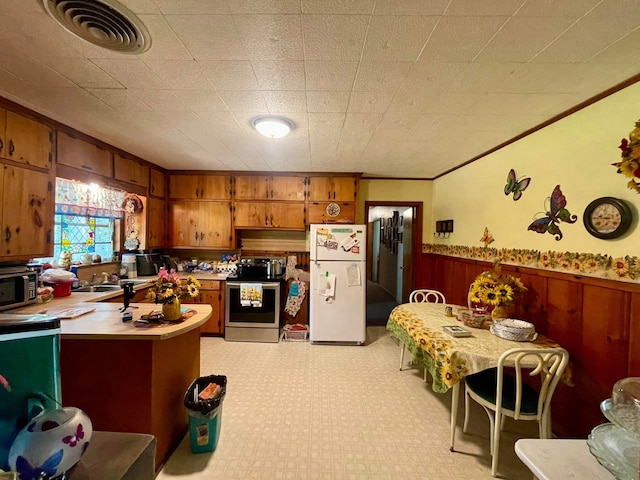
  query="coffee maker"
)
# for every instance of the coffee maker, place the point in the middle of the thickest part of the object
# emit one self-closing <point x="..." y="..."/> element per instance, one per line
<point x="29" y="373"/>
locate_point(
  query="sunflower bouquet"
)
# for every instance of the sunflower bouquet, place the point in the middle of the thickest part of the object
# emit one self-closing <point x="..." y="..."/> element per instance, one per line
<point x="169" y="287"/>
<point x="495" y="288"/>
<point x="629" y="165"/>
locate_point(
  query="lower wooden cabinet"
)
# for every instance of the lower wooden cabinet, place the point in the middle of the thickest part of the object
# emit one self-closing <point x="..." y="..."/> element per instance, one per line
<point x="211" y="293"/>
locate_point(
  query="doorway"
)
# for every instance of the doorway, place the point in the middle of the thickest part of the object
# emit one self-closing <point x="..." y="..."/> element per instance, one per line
<point x="394" y="233"/>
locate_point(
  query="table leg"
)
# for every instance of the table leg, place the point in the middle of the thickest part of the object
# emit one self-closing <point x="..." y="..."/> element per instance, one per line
<point x="455" y="392"/>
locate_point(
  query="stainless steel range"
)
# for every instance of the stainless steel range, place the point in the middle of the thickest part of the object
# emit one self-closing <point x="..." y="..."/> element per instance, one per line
<point x="252" y="301"/>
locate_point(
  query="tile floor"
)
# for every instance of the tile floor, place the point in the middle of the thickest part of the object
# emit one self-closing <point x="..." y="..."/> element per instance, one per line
<point x="299" y="411"/>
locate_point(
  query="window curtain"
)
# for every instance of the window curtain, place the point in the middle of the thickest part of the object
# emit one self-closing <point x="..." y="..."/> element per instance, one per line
<point x="76" y="198"/>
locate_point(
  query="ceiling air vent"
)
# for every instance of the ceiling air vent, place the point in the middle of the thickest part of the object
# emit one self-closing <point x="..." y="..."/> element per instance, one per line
<point x="105" y="23"/>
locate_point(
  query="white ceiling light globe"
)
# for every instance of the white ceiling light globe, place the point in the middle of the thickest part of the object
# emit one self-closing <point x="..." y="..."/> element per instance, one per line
<point x="272" y="127"/>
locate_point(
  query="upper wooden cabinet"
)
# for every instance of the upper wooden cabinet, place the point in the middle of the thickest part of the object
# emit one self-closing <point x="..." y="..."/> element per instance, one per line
<point x="77" y="153"/>
<point x="326" y="212"/>
<point x="339" y="189"/>
<point x="269" y="215"/>
<point x="157" y="183"/>
<point x="156" y="223"/>
<point x="27" y="213"/>
<point x="200" y="187"/>
<point x="259" y="187"/>
<point x="24" y="140"/>
<point x="201" y="224"/>
<point x="130" y="171"/>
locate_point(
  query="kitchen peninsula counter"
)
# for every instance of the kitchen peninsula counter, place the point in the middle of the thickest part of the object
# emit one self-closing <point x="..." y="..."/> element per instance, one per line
<point x="128" y="379"/>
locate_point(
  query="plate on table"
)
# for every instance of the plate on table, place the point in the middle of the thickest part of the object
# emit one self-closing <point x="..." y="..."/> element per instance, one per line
<point x="616" y="449"/>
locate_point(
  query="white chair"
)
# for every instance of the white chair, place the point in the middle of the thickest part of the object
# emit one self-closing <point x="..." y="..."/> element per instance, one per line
<point x="426" y="296"/>
<point x="507" y="395"/>
<point x="421" y="296"/>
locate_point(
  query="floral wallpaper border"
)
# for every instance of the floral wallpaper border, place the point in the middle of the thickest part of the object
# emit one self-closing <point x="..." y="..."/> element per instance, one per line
<point x="625" y="268"/>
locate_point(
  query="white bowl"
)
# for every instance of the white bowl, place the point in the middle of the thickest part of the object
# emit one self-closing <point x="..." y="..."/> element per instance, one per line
<point x="52" y="443"/>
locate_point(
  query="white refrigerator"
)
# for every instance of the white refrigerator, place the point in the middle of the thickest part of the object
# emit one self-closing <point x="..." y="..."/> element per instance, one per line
<point x="337" y="300"/>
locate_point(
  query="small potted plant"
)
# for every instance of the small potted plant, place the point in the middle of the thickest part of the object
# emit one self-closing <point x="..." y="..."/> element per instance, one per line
<point x="495" y="290"/>
<point x="169" y="288"/>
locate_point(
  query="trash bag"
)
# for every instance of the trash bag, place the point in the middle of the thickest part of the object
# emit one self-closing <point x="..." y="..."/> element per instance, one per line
<point x="193" y="402"/>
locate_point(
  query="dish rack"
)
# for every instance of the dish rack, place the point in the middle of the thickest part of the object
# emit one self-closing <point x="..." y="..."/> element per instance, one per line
<point x="295" y="332"/>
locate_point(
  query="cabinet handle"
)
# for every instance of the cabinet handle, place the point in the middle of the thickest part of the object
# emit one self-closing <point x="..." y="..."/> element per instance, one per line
<point x="272" y="221"/>
<point x="48" y="237"/>
<point x="7" y="235"/>
<point x="334" y="195"/>
<point x="12" y="147"/>
<point x="201" y="235"/>
<point x="1" y="145"/>
<point x="271" y="193"/>
<point x="132" y="180"/>
<point x="87" y="167"/>
<point x="196" y="236"/>
<point x="329" y="195"/>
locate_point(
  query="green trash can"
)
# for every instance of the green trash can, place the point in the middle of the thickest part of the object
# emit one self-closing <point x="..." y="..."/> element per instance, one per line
<point x="205" y="416"/>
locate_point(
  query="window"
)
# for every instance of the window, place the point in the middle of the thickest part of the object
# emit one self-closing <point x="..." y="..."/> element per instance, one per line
<point x="85" y="220"/>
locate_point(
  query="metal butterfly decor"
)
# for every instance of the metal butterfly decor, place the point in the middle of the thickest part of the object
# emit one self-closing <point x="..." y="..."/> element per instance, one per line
<point x="555" y="214"/>
<point x="516" y="186"/>
<point x="487" y="238"/>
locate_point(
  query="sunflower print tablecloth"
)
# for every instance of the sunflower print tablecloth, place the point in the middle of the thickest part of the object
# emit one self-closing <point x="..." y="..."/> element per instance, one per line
<point x="449" y="359"/>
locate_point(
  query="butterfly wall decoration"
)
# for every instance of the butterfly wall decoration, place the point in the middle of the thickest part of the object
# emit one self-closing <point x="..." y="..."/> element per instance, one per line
<point x="555" y="214"/>
<point x="516" y="186"/>
<point x="487" y="238"/>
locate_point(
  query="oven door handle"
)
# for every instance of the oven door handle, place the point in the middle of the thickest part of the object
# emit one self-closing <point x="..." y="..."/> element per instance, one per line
<point x="264" y="284"/>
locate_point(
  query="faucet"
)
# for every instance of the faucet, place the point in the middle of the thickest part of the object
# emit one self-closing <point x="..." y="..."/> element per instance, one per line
<point x="105" y="277"/>
<point x="93" y="279"/>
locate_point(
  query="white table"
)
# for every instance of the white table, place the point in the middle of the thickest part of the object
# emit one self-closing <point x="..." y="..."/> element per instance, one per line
<point x="560" y="459"/>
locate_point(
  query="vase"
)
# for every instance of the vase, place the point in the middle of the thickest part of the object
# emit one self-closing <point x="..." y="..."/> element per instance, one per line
<point x="171" y="311"/>
<point x="499" y="312"/>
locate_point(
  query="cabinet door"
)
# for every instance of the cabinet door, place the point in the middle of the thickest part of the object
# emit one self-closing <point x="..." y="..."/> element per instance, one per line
<point x="3" y="127"/>
<point x="211" y="187"/>
<point x="156" y="212"/>
<point x="27" y="141"/>
<point x="214" y="225"/>
<point x="184" y="222"/>
<point x="27" y="225"/>
<point x="249" y="214"/>
<point x="130" y="171"/>
<point x="157" y="183"/>
<point x="320" y="189"/>
<point x="318" y="212"/>
<point x="214" y="187"/>
<point x="183" y="186"/>
<point x="77" y="153"/>
<point x="214" y="324"/>
<point x="251" y="187"/>
<point x="344" y="189"/>
<point x="286" y="215"/>
<point x="287" y="188"/>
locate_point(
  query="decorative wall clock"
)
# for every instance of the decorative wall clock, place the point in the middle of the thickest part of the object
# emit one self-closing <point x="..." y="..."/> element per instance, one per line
<point x="333" y="209"/>
<point x="607" y="218"/>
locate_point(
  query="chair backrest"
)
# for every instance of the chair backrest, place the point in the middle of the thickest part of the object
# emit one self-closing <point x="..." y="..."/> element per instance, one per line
<point x="547" y="363"/>
<point x="426" y="296"/>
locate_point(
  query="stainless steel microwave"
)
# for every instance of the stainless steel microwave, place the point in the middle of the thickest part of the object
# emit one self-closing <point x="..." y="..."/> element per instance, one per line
<point x="18" y="287"/>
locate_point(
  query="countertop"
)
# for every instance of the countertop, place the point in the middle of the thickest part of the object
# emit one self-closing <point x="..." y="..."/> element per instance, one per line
<point x="106" y="321"/>
<point x="555" y="459"/>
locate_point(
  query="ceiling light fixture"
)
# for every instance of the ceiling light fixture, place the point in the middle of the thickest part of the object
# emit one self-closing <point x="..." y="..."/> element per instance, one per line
<point x="272" y="126"/>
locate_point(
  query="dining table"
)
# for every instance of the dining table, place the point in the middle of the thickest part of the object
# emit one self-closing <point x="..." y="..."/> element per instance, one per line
<point x="449" y="359"/>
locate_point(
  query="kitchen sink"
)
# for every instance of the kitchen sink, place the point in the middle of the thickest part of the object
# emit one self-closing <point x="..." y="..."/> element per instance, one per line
<point x="132" y="280"/>
<point x="98" y="288"/>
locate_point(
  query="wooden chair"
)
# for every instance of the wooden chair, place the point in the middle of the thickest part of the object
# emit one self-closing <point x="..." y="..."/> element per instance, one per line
<point x="421" y="296"/>
<point x="506" y="395"/>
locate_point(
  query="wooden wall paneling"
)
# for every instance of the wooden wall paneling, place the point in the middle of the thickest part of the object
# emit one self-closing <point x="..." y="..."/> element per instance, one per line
<point x="564" y="307"/>
<point x="605" y="334"/>
<point x="530" y="306"/>
<point x="634" y="336"/>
